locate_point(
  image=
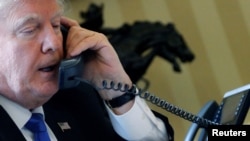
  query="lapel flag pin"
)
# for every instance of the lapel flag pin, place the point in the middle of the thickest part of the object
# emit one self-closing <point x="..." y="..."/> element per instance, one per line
<point x="64" y="126"/>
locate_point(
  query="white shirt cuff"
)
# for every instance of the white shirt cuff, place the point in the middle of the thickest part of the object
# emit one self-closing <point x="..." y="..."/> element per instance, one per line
<point x="139" y="123"/>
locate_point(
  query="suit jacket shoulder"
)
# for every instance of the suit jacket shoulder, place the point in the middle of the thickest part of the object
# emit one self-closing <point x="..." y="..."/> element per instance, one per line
<point x="82" y="110"/>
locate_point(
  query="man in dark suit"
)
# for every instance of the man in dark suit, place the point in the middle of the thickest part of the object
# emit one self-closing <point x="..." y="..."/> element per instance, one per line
<point x="31" y="50"/>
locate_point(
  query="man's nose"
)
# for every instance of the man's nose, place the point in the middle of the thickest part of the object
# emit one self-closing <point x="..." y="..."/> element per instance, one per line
<point x="52" y="41"/>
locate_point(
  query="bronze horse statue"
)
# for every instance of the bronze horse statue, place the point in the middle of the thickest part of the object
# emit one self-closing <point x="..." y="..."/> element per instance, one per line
<point x="139" y="43"/>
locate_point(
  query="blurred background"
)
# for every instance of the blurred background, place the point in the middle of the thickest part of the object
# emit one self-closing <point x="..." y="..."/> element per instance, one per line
<point x="216" y="31"/>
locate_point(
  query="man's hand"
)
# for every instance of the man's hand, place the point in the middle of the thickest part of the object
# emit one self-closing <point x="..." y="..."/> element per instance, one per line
<point x="102" y="64"/>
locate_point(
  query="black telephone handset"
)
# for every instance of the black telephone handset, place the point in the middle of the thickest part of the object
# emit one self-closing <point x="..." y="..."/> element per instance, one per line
<point x="70" y="72"/>
<point x="69" y="68"/>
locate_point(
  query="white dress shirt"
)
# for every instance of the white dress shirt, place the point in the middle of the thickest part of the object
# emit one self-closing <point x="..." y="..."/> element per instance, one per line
<point x="138" y="124"/>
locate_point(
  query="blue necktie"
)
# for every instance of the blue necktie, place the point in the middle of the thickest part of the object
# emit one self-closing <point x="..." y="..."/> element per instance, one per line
<point x="37" y="126"/>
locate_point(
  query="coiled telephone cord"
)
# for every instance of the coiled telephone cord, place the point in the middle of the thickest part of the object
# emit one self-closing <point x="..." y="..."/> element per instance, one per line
<point x="156" y="101"/>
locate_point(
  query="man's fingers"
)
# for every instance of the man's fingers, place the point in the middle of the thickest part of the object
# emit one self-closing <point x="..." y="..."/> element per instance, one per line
<point x="68" y="22"/>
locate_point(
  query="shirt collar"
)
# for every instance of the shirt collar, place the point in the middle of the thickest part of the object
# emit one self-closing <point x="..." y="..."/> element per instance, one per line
<point x="19" y="114"/>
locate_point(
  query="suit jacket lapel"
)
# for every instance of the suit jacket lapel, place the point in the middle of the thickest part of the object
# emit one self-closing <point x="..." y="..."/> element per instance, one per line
<point x="83" y="110"/>
<point x="64" y="127"/>
<point x="8" y="130"/>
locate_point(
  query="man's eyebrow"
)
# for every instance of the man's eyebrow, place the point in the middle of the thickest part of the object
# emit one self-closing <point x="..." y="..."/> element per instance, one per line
<point x="34" y="18"/>
<point x="27" y="19"/>
<point x="56" y="15"/>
